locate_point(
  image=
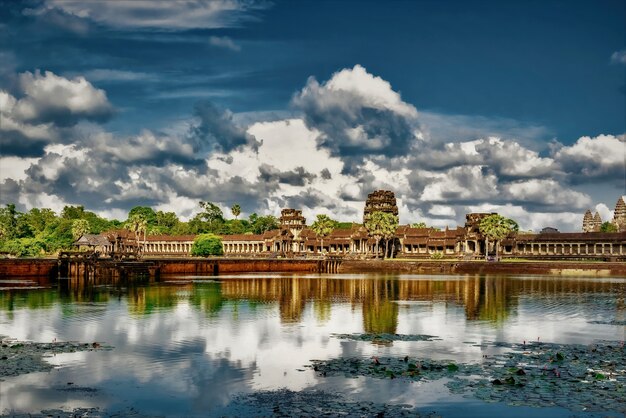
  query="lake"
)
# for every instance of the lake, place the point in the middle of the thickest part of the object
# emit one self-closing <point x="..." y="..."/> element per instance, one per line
<point x="196" y="346"/>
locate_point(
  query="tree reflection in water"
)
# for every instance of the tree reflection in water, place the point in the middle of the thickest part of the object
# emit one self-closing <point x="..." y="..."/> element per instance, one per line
<point x="490" y="298"/>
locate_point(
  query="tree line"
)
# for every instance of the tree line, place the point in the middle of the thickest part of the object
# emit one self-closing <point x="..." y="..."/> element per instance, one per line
<point x="43" y="231"/>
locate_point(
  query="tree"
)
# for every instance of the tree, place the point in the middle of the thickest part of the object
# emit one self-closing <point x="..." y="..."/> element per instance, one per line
<point x="261" y="224"/>
<point x="137" y="224"/>
<point x="72" y="212"/>
<point x="322" y="227"/>
<point x="496" y="228"/>
<point x="207" y="244"/>
<point x="608" y="227"/>
<point x="389" y="228"/>
<point x="419" y="225"/>
<point x="236" y="210"/>
<point x="79" y="228"/>
<point x="210" y="212"/>
<point x="8" y="221"/>
<point x="146" y="213"/>
<point x="375" y="226"/>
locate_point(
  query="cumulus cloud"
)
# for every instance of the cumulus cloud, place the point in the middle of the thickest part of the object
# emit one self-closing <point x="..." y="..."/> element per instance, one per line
<point x="593" y="159"/>
<point x="43" y="108"/>
<point x="55" y="99"/>
<point x="619" y="57"/>
<point x="217" y="130"/>
<point x="357" y="114"/>
<point x="156" y="14"/>
<point x="309" y="162"/>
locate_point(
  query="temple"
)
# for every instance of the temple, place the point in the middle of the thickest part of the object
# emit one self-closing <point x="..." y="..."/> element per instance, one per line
<point x="295" y="239"/>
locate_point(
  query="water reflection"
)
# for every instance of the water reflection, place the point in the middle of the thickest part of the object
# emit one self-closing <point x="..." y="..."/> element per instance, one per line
<point x="187" y="344"/>
<point x="490" y="299"/>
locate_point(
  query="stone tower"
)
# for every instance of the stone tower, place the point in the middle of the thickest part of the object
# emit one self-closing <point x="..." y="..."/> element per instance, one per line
<point x="597" y="222"/>
<point x="380" y="201"/>
<point x="291" y="225"/>
<point x="588" y="222"/>
<point x="619" y="217"/>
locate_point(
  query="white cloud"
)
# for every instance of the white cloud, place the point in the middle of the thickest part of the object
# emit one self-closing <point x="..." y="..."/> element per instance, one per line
<point x="372" y="90"/>
<point x="156" y="14"/>
<point x="619" y="57"/>
<point x="533" y="220"/>
<point x="594" y="158"/>
<point x="224" y="42"/>
<point x="14" y="167"/>
<point x="546" y="192"/>
<point x="466" y="183"/>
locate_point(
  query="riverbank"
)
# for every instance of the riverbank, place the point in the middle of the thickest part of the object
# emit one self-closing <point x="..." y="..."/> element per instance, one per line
<point x="47" y="267"/>
<point x="561" y="268"/>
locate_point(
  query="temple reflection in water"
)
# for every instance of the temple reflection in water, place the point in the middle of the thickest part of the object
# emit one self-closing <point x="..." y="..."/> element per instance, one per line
<point x="491" y="298"/>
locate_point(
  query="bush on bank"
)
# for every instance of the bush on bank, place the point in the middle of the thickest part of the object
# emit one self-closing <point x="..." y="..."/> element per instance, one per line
<point x="207" y="244"/>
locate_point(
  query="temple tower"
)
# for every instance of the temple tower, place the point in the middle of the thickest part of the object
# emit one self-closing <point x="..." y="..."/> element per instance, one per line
<point x="588" y="222"/>
<point x="619" y="217"/>
<point x="597" y="222"/>
<point x="291" y="225"/>
<point x="380" y="201"/>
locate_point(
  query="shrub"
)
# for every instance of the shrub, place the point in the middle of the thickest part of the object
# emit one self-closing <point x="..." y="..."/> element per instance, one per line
<point x="207" y="244"/>
<point x="437" y="255"/>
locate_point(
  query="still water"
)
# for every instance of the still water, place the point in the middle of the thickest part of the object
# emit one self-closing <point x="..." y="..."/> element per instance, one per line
<point x="185" y="346"/>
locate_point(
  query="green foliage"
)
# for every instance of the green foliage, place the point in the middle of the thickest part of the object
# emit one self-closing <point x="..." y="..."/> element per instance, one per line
<point x="236" y="210"/>
<point x="344" y="225"/>
<point x="437" y="255"/>
<point x="608" y="227"/>
<point x="381" y="225"/>
<point x="261" y="224"/>
<point x="25" y="247"/>
<point x="80" y="227"/>
<point x="8" y="222"/>
<point x="419" y="225"/>
<point x="496" y="228"/>
<point x="143" y="212"/>
<point x="207" y="244"/>
<point x="323" y="226"/>
<point x="73" y="212"/>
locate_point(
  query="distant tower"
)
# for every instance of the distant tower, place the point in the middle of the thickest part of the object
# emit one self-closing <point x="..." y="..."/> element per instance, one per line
<point x="380" y="201"/>
<point x="619" y="217"/>
<point x="291" y="224"/>
<point x="588" y="222"/>
<point x="597" y="222"/>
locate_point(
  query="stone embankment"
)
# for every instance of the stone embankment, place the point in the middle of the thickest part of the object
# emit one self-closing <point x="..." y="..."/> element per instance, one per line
<point x="482" y="267"/>
<point x="222" y="265"/>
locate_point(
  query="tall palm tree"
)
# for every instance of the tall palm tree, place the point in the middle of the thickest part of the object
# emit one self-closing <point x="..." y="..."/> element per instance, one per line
<point x="376" y="226"/>
<point x="389" y="227"/>
<point x="322" y="227"/>
<point x="138" y="224"/>
<point x="236" y="210"/>
<point x="496" y="228"/>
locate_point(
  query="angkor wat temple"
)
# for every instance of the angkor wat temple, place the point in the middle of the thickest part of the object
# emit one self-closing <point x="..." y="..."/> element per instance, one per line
<point x="296" y="239"/>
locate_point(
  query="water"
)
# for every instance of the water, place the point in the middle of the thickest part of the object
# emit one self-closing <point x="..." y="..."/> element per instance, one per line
<point x="185" y="346"/>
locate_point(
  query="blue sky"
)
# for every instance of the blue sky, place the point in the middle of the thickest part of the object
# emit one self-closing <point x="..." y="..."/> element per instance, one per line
<point x="512" y="106"/>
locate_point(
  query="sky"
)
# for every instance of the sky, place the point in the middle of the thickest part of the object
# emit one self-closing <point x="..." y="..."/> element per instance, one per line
<point x="514" y="107"/>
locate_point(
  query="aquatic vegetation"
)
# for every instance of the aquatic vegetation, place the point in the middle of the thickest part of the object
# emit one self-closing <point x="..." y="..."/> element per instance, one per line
<point x="21" y="357"/>
<point x="577" y="377"/>
<point x="385" y="337"/>
<point x="288" y="403"/>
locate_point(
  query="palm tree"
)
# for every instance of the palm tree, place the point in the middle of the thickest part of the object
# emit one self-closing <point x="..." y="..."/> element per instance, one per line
<point x="390" y="225"/>
<point x="496" y="228"/>
<point x="376" y="226"/>
<point x="138" y="224"/>
<point x="322" y="227"/>
<point x="236" y="210"/>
